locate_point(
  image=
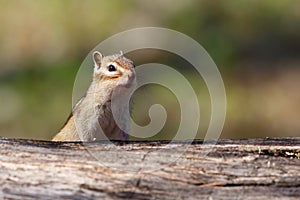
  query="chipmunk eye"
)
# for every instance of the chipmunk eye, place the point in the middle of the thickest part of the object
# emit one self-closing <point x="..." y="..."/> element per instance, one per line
<point x="111" y="68"/>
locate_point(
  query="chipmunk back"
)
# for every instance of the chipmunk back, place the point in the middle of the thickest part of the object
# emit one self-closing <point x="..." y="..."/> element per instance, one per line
<point x="92" y="117"/>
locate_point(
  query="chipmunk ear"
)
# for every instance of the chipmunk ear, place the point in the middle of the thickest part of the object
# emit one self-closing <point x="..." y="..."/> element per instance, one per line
<point x="97" y="58"/>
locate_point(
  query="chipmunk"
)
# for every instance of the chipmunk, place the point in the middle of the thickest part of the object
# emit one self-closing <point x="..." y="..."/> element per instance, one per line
<point x="92" y="117"/>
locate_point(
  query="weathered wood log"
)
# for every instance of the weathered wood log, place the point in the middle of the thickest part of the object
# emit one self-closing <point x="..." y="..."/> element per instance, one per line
<point x="232" y="169"/>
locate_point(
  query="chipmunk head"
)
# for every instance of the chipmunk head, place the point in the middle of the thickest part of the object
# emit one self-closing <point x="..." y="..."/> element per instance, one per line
<point x="114" y="70"/>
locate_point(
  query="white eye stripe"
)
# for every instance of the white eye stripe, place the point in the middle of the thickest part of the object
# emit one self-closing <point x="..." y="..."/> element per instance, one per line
<point x="112" y="63"/>
<point x="104" y="69"/>
<point x="118" y="67"/>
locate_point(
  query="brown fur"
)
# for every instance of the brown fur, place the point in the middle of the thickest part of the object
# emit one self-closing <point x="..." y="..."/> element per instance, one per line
<point x="92" y="114"/>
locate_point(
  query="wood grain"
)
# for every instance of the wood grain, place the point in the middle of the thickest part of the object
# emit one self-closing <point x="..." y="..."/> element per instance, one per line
<point x="231" y="169"/>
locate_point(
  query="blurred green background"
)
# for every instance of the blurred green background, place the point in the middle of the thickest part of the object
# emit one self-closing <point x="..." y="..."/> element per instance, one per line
<point x="255" y="44"/>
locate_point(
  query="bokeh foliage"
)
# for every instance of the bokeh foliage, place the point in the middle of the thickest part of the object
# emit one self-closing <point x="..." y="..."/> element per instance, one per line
<point x="255" y="44"/>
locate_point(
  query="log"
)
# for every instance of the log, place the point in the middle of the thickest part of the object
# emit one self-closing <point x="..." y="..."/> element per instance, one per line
<point x="266" y="168"/>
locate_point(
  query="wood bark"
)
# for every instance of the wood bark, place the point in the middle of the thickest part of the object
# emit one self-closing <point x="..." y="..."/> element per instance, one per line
<point x="230" y="169"/>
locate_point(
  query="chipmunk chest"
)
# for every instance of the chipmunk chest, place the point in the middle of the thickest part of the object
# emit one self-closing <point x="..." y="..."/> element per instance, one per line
<point x="104" y="115"/>
<point x="103" y="109"/>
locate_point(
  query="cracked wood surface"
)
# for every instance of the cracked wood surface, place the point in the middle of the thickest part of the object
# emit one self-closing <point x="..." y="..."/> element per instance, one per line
<point x="232" y="169"/>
